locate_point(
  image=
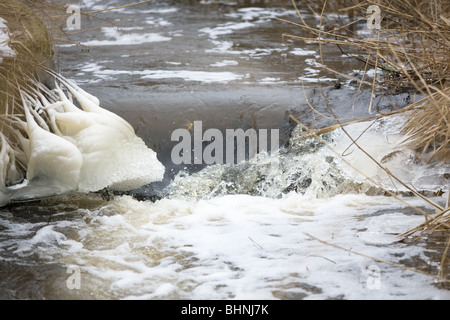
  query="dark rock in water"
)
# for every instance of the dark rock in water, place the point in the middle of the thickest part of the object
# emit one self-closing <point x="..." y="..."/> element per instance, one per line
<point x="146" y="193"/>
<point x="337" y="85"/>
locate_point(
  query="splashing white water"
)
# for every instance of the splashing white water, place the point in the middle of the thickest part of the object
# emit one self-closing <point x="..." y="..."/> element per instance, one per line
<point x="311" y="168"/>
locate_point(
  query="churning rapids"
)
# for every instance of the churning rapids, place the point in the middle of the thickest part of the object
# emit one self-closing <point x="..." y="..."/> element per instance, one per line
<point x="223" y="231"/>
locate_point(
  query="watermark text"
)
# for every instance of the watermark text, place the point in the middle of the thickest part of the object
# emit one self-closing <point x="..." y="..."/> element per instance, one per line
<point x="210" y="147"/>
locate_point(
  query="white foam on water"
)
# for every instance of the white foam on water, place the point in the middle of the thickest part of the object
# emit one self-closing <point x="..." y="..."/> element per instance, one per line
<point x="302" y="52"/>
<point x="97" y="70"/>
<point x="222" y="47"/>
<point x="132" y="10"/>
<point x="226" y="28"/>
<point x="117" y="37"/>
<point x="186" y="75"/>
<point x="224" y="63"/>
<point x="235" y="247"/>
<point x="271" y="80"/>
<point x="260" y="15"/>
<point x="157" y="22"/>
<point x="311" y="71"/>
<point x="93" y="5"/>
<point x="315" y="79"/>
<point x="226" y="47"/>
<point x="190" y="75"/>
<point x="246" y="18"/>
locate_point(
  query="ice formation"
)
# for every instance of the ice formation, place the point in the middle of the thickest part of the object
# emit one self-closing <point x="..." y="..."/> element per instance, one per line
<point x="58" y="147"/>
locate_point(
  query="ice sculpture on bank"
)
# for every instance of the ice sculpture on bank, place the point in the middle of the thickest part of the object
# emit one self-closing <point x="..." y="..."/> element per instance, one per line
<point x="57" y="147"/>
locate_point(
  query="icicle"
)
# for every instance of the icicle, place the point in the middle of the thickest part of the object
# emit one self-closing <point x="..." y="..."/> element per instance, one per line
<point x="54" y="163"/>
<point x="4" y="161"/>
<point x="9" y="175"/>
<point x="88" y="105"/>
<point x="69" y="83"/>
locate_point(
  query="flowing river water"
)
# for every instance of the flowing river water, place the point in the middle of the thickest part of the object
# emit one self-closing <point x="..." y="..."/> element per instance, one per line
<point x="224" y="231"/>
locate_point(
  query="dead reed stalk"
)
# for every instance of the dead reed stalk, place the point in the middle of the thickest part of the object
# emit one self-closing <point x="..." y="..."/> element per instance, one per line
<point x="411" y="50"/>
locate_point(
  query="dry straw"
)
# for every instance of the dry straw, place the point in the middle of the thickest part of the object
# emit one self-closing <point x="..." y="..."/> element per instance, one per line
<point x="410" y="51"/>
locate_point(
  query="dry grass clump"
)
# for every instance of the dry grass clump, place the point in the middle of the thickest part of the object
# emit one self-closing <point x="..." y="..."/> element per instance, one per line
<point x="421" y="59"/>
<point x="411" y="50"/>
<point x="30" y="41"/>
<point x="428" y="125"/>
